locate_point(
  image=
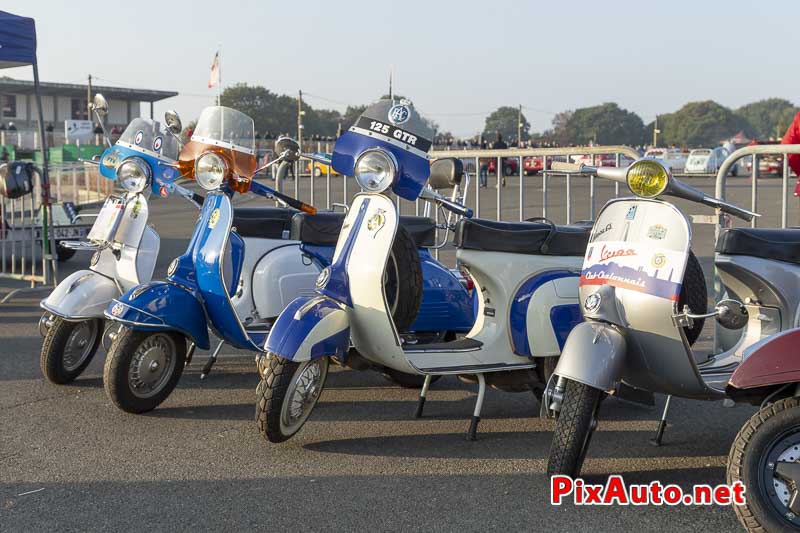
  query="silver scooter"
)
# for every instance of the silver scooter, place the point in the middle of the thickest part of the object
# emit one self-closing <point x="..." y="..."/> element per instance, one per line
<point x="637" y="333"/>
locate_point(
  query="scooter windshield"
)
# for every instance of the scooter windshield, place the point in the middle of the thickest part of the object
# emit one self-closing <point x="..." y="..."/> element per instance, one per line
<point x="395" y="126"/>
<point x="227" y="131"/>
<point x="151" y="138"/>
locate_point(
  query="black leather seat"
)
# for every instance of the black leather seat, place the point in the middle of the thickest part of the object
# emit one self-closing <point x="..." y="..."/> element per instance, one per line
<point x="769" y="243"/>
<point x="323" y="229"/>
<point x="262" y="222"/>
<point x="532" y="238"/>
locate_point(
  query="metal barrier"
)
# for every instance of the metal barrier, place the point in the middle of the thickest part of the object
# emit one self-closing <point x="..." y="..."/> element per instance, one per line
<point x="23" y="253"/>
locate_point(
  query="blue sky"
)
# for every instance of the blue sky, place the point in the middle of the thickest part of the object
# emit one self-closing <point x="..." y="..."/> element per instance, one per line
<point x="456" y="60"/>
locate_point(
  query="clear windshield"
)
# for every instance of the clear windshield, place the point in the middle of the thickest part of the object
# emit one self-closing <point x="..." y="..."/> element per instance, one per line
<point x="150" y="137"/>
<point x="226" y="127"/>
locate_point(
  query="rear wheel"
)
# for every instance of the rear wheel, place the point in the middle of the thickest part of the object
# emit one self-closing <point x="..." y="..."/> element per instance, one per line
<point x="287" y="394"/>
<point x="143" y="367"/>
<point x="545" y="367"/>
<point x="765" y="458"/>
<point x="576" y="423"/>
<point x="68" y="348"/>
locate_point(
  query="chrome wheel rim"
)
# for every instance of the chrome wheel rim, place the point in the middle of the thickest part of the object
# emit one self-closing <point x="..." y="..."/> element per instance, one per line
<point x="152" y="365"/>
<point x="779" y="474"/>
<point x="302" y="394"/>
<point x="79" y="344"/>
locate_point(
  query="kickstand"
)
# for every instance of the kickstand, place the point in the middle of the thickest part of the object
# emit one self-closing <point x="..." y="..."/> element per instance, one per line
<point x="422" y="393"/>
<point x="476" y="414"/>
<point x="662" y="425"/>
<point x="211" y="360"/>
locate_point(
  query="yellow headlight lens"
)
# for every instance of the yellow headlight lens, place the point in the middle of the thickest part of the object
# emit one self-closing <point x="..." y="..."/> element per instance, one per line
<point x="647" y="178"/>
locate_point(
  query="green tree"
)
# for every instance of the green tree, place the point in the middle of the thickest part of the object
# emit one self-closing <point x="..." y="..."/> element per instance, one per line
<point x="603" y="124"/>
<point x="768" y="118"/>
<point x="504" y="120"/>
<point x="700" y="124"/>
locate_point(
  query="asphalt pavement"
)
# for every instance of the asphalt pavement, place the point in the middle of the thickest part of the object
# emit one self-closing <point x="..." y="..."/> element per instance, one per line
<point x="70" y="461"/>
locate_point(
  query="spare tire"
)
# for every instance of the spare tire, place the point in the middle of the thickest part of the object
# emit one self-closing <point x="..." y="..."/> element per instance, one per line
<point x="402" y="280"/>
<point x="694" y="294"/>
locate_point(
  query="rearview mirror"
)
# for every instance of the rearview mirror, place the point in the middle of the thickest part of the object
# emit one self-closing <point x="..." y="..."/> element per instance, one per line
<point x="173" y="122"/>
<point x="731" y="314"/>
<point x="100" y="105"/>
<point x="289" y="148"/>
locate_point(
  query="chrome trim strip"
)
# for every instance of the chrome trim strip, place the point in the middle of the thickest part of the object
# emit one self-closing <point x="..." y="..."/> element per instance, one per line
<point x="392" y="141"/>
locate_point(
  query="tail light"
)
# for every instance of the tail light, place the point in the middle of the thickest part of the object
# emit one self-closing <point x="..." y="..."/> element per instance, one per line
<point x="464" y="278"/>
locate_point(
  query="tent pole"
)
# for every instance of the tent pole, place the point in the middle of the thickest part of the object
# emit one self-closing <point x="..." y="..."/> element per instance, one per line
<point x="46" y="212"/>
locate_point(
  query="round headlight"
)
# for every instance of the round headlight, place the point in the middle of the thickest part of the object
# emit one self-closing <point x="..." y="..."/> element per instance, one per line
<point x="375" y="170"/>
<point x="647" y="178"/>
<point x="133" y="174"/>
<point x="209" y="170"/>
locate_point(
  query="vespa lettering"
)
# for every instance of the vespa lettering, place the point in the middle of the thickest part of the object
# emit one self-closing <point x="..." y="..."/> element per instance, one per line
<point x="600" y="231"/>
<point x="606" y="254"/>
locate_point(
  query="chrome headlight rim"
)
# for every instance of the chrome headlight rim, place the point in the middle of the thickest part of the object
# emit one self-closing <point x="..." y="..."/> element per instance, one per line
<point x="384" y="184"/>
<point x="648" y="162"/>
<point x="210" y="183"/>
<point x="134" y="184"/>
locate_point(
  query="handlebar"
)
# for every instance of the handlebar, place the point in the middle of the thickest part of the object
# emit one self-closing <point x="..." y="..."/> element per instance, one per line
<point x="269" y="192"/>
<point x="434" y="196"/>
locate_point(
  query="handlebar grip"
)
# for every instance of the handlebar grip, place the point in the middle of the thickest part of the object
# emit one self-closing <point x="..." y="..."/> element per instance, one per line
<point x="738" y="212"/>
<point x="456" y="208"/>
<point x="297" y="204"/>
<point x="563" y="166"/>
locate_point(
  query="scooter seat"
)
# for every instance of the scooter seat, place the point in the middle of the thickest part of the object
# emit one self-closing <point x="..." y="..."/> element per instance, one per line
<point x="262" y="222"/>
<point x="531" y="238"/>
<point x="323" y="229"/>
<point x="768" y="243"/>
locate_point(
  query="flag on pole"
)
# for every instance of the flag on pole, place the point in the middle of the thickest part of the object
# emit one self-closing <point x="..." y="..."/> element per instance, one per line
<point x="213" y="79"/>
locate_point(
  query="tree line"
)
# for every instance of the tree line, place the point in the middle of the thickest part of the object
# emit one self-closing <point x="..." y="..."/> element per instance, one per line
<point x="695" y="124"/>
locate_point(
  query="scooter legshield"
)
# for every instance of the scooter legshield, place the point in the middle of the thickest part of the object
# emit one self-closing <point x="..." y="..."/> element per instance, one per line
<point x="161" y="305"/>
<point x="309" y="328"/>
<point x="593" y="355"/>
<point x="83" y="294"/>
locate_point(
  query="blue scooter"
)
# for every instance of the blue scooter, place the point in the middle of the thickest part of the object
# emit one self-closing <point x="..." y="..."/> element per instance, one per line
<point x="239" y="271"/>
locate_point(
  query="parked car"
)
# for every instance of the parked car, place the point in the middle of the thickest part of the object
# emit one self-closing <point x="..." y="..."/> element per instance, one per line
<point x="510" y="166"/>
<point x="768" y="164"/>
<point x="533" y="165"/>
<point x="672" y="158"/>
<point x="602" y="160"/>
<point x="707" y="160"/>
<point x="320" y="169"/>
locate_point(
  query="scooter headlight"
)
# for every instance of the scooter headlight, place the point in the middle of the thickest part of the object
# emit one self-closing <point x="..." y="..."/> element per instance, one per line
<point x="647" y="178"/>
<point x="209" y="170"/>
<point x="375" y="170"/>
<point x="133" y="174"/>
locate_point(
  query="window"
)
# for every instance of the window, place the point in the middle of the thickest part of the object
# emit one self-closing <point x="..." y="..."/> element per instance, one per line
<point x="79" y="109"/>
<point x="9" y="103"/>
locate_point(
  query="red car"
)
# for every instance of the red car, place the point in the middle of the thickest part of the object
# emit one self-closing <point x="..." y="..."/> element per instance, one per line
<point x="510" y="166"/>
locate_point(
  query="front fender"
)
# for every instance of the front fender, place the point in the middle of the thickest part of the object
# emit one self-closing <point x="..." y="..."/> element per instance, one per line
<point x="771" y="361"/>
<point x="82" y="294"/>
<point x="593" y="355"/>
<point x="161" y="305"/>
<point x="309" y="328"/>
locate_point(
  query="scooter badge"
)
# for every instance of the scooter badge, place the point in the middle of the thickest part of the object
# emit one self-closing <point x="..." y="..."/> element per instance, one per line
<point x="377" y="221"/>
<point x="592" y="302"/>
<point x="213" y="219"/>
<point x="399" y="114"/>
<point x="659" y="260"/>
<point x="656" y="232"/>
<point x="117" y="309"/>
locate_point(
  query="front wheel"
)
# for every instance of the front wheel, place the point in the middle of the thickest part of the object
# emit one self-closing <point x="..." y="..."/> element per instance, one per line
<point x="68" y="348"/>
<point x="765" y="458"/>
<point x="287" y="394"/>
<point x="143" y="367"/>
<point x="576" y="423"/>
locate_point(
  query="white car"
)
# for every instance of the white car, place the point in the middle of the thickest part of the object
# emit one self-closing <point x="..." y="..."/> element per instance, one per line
<point x="672" y="158"/>
<point x="706" y="160"/>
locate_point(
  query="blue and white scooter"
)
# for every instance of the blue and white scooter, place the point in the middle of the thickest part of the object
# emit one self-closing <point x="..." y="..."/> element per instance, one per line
<point x="241" y="268"/>
<point x="125" y="247"/>
<point x="525" y="274"/>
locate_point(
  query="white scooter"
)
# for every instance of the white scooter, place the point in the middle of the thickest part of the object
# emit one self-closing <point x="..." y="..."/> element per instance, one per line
<point x="125" y="247"/>
<point x="526" y="275"/>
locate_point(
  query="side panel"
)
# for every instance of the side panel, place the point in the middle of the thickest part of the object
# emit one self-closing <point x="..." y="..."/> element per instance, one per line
<point x="160" y="305"/>
<point x="82" y="294"/>
<point x="594" y="354"/>
<point x="772" y="361"/>
<point x="309" y="328"/>
<point x="446" y="304"/>
<point x="280" y="276"/>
